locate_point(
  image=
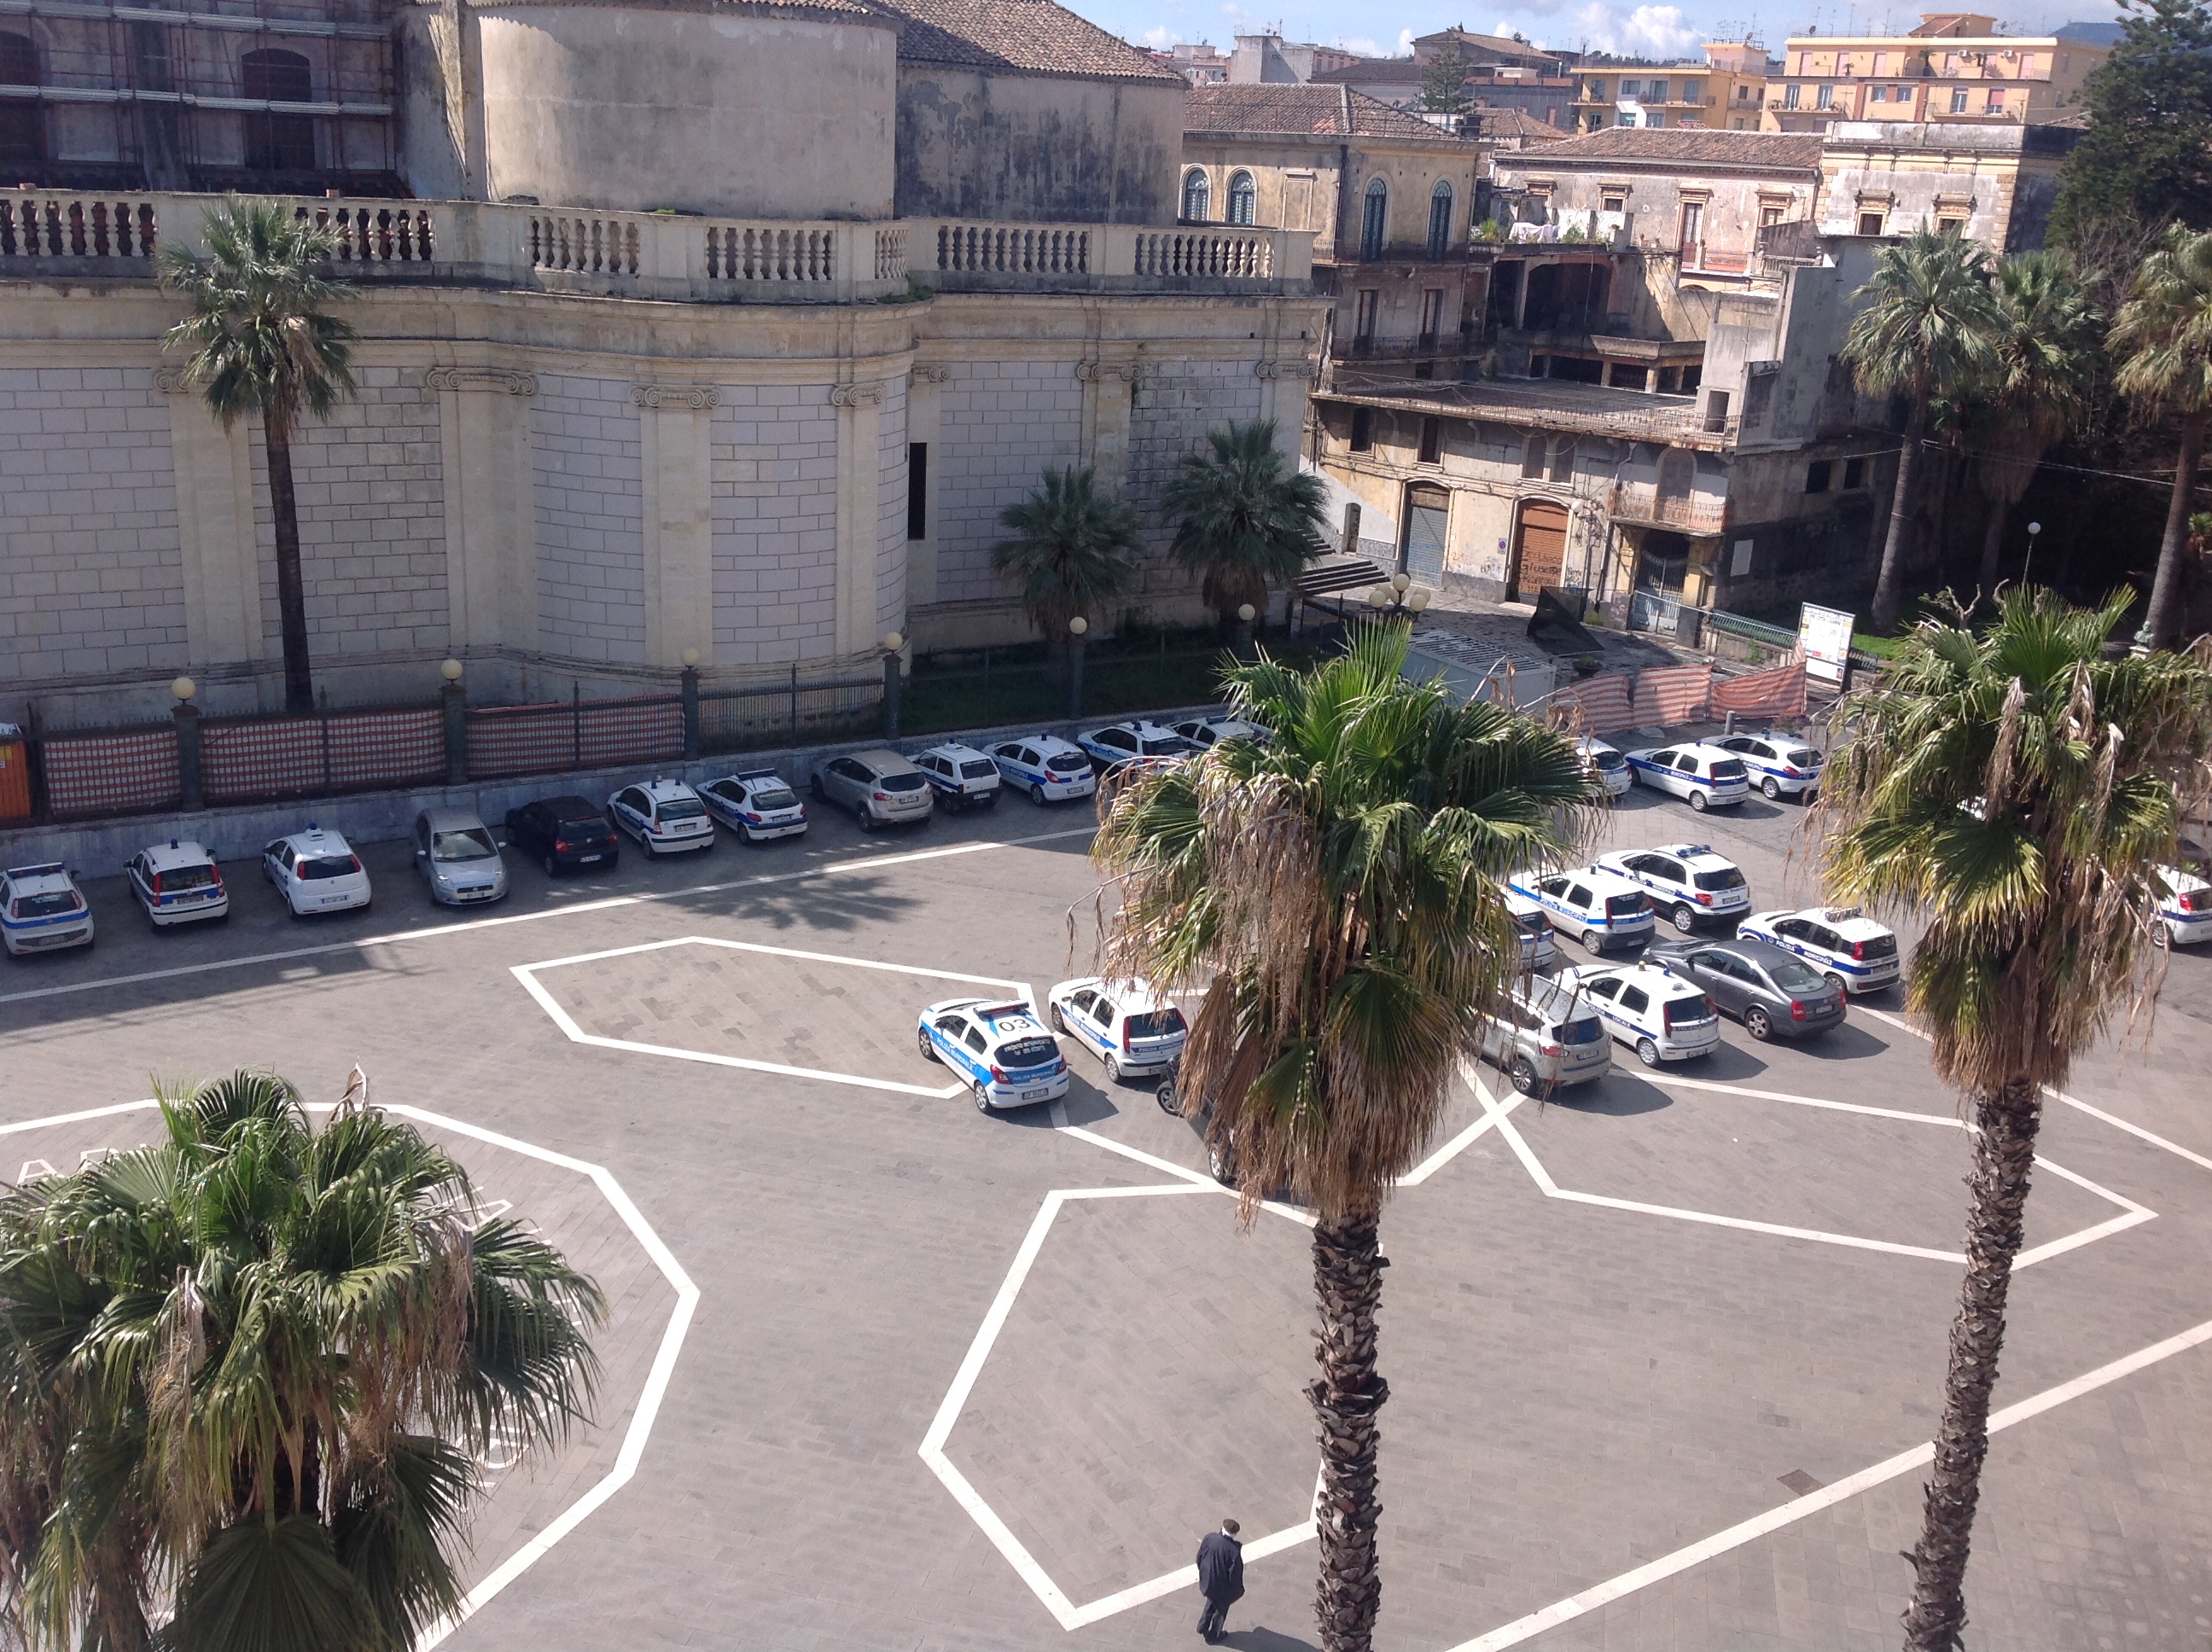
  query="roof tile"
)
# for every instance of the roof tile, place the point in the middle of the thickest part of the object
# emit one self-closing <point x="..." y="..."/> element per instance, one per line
<point x="1032" y="37"/>
<point x="1691" y="146"/>
<point x="1331" y="111"/>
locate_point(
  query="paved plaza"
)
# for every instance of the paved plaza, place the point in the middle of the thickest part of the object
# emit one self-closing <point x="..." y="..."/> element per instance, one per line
<point x="884" y="1372"/>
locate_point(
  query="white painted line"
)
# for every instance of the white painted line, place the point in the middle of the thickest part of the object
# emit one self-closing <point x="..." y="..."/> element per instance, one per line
<point x="2134" y="1130"/>
<point x="1949" y="1120"/>
<point x="470" y="926"/>
<point x="1466" y="1138"/>
<point x="71" y="1118"/>
<point x="1303" y="1217"/>
<point x="1734" y="1537"/>
<point x="1020" y="987"/>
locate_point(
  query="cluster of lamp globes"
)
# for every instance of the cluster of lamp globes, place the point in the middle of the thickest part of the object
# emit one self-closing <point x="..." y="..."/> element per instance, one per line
<point x="1399" y="591"/>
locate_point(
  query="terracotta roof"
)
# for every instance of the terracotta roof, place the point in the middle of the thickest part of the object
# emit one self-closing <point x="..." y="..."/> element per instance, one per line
<point x="1331" y="111"/>
<point x="1693" y="146"/>
<point x="1377" y="71"/>
<point x="1030" y="37"/>
<point x="1517" y="123"/>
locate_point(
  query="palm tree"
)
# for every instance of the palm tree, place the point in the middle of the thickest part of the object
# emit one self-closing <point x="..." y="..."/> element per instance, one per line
<point x="1244" y="520"/>
<point x="2013" y="789"/>
<point x="2046" y="344"/>
<point x="2164" y="332"/>
<point x="1334" y="894"/>
<point x="1925" y="334"/>
<point x="1072" y="549"/>
<point x="263" y="341"/>
<point x="247" y="1375"/>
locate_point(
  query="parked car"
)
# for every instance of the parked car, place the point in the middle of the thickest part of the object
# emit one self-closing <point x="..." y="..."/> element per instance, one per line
<point x="880" y="788"/>
<point x="563" y="834"/>
<point x="757" y="805"/>
<point x="1760" y="985"/>
<point x="1842" y="942"/>
<point x="1686" y="882"/>
<point x="664" y="816"/>
<point x="1124" y="1024"/>
<point x="1206" y="733"/>
<point x="1599" y="908"/>
<point x="458" y="858"/>
<point x="316" y="872"/>
<point x="1006" y="1058"/>
<point x="1708" y="776"/>
<point x="1537" y="951"/>
<point x="176" y="882"/>
<point x="42" y="910"/>
<point x="1542" y="1036"/>
<point x="1220" y="1156"/>
<point x="1780" y="765"/>
<point x="961" y="777"/>
<point x="1049" y="769"/>
<point x="1660" y="1016"/>
<point x="1133" y="741"/>
<point x="2184" y="906"/>
<point x="1604" y="764"/>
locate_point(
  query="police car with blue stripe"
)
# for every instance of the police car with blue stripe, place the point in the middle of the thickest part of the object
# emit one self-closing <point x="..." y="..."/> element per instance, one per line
<point x="1688" y="882"/>
<point x="1598" y="908"/>
<point x="2184" y="906"/>
<point x="1781" y="765"/>
<point x="1705" y="774"/>
<point x="1006" y="1058"/>
<point x="1049" y="769"/>
<point x="756" y="803"/>
<point x="1845" y="944"/>
<point x="1536" y="949"/>
<point x="42" y="910"/>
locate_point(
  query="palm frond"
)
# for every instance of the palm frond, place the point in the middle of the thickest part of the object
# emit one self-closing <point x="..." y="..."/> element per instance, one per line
<point x="1245" y="518"/>
<point x="1071" y="550"/>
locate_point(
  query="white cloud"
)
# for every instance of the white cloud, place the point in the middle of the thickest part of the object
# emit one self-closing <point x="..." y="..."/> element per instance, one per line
<point x="1160" y="39"/>
<point x="1648" y="31"/>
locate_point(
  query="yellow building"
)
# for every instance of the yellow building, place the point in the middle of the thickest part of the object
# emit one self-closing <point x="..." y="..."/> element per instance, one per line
<point x="1954" y="67"/>
<point x="1724" y="94"/>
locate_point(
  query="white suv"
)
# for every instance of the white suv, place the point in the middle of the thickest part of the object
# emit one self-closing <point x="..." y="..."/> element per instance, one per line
<point x="961" y="777"/>
<point x="1599" y="908"/>
<point x="1688" y="882"/>
<point x="664" y="816"/>
<point x="1842" y="942"/>
<point x="1708" y="776"/>
<point x="1659" y="1016"/>
<point x="315" y="871"/>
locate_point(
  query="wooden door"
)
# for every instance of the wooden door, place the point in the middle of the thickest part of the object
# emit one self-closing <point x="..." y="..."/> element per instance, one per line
<point x="1540" y="547"/>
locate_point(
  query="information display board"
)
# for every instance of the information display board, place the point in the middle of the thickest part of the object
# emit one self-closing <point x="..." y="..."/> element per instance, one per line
<point x="1825" y="634"/>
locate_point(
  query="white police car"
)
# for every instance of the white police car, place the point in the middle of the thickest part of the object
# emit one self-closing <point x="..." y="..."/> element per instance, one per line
<point x="176" y="882"/>
<point x="1842" y="942"/>
<point x="1537" y="951"/>
<point x="757" y="805"/>
<point x="42" y="910"/>
<point x="664" y="816"/>
<point x="1598" y="908"/>
<point x="1134" y="741"/>
<point x="2184" y="906"/>
<point x="961" y="777"/>
<point x="1124" y="1024"/>
<point x="1206" y="733"/>
<point x="1708" y="776"/>
<point x="316" y="872"/>
<point x="1660" y="1016"/>
<point x="1046" y="767"/>
<point x="1781" y="765"/>
<point x="1006" y="1058"/>
<point x="1688" y="882"/>
<point x="1604" y="764"/>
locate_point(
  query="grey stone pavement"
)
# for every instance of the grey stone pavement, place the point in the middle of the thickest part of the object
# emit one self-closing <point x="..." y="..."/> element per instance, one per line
<point x="1579" y="1388"/>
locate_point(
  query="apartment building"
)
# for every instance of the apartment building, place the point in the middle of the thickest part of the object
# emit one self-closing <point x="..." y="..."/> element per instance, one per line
<point x="1995" y="184"/>
<point x="1954" y="68"/>
<point x="1271" y="60"/>
<point x="1399" y="82"/>
<point x="1724" y="93"/>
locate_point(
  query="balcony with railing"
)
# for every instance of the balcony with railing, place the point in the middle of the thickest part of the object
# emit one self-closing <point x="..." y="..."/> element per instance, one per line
<point x="1547" y="404"/>
<point x="1644" y="504"/>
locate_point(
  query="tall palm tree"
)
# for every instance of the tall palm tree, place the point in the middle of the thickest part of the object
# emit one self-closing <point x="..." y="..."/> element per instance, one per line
<point x="2046" y="344"/>
<point x="1334" y="894"/>
<point x="2164" y="332"/>
<point x="263" y="341"/>
<point x="246" y="1373"/>
<point x="1244" y="518"/>
<point x="2013" y="790"/>
<point x="1925" y="333"/>
<point x="1072" y="549"/>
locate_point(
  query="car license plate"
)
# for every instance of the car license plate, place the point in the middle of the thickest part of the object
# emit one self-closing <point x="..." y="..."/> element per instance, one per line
<point x="1035" y="1095"/>
<point x="586" y="859"/>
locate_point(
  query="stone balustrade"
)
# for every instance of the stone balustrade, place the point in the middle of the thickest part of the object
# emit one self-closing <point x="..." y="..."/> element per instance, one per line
<point x="666" y="255"/>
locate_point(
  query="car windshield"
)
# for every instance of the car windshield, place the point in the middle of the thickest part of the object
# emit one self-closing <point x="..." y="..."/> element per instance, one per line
<point x="50" y="905"/>
<point x="901" y="782"/>
<point x="315" y="867"/>
<point x="1623" y="906"/>
<point x="1154" y="1024"/>
<point x="1711" y="880"/>
<point x="470" y="843"/>
<point x="1728" y="768"/>
<point x="1587" y="1030"/>
<point x="679" y="808"/>
<point x="1794" y="977"/>
<point x="977" y="771"/>
<point x="1685" y="1011"/>
<point x="183" y="877"/>
<point x="1608" y="760"/>
<point x="1068" y="762"/>
<point x="1027" y="1052"/>
<point x="775" y="797"/>
<point x="1173" y="746"/>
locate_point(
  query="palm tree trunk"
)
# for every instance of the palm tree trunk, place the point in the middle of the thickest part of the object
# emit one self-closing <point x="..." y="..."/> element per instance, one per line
<point x="1348" y="1265"/>
<point x="1888" y="593"/>
<point x="1992" y="542"/>
<point x="291" y="589"/>
<point x="2164" y="619"/>
<point x="2005" y="1123"/>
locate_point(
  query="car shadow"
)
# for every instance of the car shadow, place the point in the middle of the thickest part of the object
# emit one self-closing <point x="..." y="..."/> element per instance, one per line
<point x="1727" y="1062"/>
<point x="1618" y="1095"/>
<point x="1263" y="1639"/>
<point x="1844" y="1043"/>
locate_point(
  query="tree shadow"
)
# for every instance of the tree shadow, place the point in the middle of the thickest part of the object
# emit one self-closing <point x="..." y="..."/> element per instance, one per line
<point x="1261" y="1639"/>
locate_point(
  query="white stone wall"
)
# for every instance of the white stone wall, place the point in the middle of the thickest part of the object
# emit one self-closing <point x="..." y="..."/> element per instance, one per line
<point x="891" y="500"/>
<point x="91" y="580"/>
<point x="590" y="506"/>
<point x="1176" y="404"/>
<point x="775" y="524"/>
<point x="1000" y="423"/>
<point x="369" y="487"/>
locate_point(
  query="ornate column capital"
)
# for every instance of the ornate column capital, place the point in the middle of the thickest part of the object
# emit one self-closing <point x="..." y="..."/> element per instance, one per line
<point x="505" y="381"/>
<point x="1097" y="372"/>
<point x="1307" y="369"/>
<point x="855" y="395"/>
<point x="700" y="398"/>
<point x="930" y="373"/>
<point x="174" y="381"/>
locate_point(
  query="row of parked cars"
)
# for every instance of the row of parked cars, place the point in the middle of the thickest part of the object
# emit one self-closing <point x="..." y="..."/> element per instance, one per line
<point x="1714" y="774"/>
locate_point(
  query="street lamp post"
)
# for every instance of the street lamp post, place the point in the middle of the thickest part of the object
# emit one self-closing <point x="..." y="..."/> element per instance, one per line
<point x="1399" y="595"/>
<point x="1245" y="614"/>
<point x="2034" y="528"/>
<point x="191" y="793"/>
<point x="454" y="698"/>
<point x="690" y="658"/>
<point x="892" y="643"/>
<point x="1076" y="630"/>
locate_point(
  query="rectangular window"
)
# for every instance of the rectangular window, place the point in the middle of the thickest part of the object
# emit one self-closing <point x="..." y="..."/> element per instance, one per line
<point x="1854" y="473"/>
<point x="1431" y="441"/>
<point x="1789" y="94"/>
<point x="2028" y="65"/>
<point x="1655" y="120"/>
<point x="1613" y="200"/>
<point x="1655" y="92"/>
<point x="1693" y="91"/>
<point x="1770" y="216"/>
<point x="1432" y="314"/>
<point x="1693" y="232"/>
<point x="1563" y="458"/>
<point x="1996" y="105"/>
<point x="1869" y="223"/>
<point x="1363" y="429"/>
<point x="917" y="490"/>
<point x="1825" y="98"/>
<point x="1816" y="475"/>
<point x="1882" y="63"/>
<point x="1958" y="100"/>
<point x="1951" y="227"/>
<point x="1877" y="94"/>
<point x="1362" y="324"/>
<point x="1532" y="459"/>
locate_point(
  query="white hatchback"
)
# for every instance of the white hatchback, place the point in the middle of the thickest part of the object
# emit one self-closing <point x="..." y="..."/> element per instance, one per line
<point x="1707" y="776"/>
<point x="42" y="910"/>
<point x="1124" y="1024"/>
<point x="1135" y="741"/>
<point x="2184" y="906"/>
<point x="1781" y="765"/>
<point x="756" y="803"/>
<point x="1604" y="764"/>
<point x="1046" y="767"/>
<point x="1659" y="1016"/>
<point x="664" y="816"/>
<point x="961" y="777"/>
<point x="1599" y="908"/>
<point x="176" y="882"/>
<point x="1537" y="951"/>
<point x="1842" y="942"/>
<point x="316" y="872"/>
<point x="1688" y="882"/>
<point x="1206" y="733"/>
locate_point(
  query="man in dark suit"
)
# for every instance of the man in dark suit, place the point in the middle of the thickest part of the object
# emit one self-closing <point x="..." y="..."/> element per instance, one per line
<point x="1220" y="1579"/>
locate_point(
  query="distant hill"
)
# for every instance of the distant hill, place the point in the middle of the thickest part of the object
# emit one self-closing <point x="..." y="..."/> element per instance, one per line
<point x="2091" y="33"/>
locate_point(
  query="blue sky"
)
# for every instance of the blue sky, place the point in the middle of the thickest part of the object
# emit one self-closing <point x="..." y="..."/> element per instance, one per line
<point x="1621" y="25"/>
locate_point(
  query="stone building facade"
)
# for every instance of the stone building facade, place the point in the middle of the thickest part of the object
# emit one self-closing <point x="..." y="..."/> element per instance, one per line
<point x="1954" y="67"/>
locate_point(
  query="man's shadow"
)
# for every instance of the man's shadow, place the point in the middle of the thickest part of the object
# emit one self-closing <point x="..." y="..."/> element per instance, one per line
<point x="1266" y="1640"/>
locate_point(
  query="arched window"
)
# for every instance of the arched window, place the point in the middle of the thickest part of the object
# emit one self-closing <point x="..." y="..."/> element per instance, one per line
<point x="1243" y="199"/>
<point x="1375" y="219"/>
<point x="1440" y="211"/>
<point x="23" y="121"/>
<point x="1197" y="196"/>
<point x="279" y="142"/>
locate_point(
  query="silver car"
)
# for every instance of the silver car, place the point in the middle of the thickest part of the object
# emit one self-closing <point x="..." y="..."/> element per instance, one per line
<point x="880" y="788"/>
<point x="1543" y="1036"/>
<point x="458" y="858"/>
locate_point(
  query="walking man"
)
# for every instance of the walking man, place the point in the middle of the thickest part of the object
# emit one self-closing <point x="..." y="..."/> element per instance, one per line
<point x="1220" y="1579"/>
